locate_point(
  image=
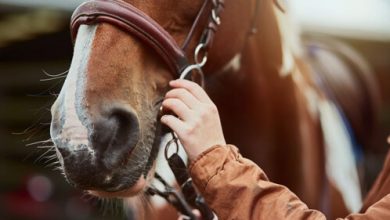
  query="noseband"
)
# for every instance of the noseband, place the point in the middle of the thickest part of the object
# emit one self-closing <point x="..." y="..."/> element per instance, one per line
<point x="136" y="23"/>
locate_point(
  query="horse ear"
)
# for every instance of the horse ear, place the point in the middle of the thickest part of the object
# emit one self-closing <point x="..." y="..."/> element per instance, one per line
<point x="281" y="5"/>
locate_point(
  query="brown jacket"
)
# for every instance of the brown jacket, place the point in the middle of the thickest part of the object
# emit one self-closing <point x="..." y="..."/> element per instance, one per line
<point x="236" y="188"/>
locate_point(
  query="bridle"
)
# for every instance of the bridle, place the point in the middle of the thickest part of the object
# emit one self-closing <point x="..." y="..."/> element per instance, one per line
<point x="136" y="23"/>
<point x="133" y="21"/>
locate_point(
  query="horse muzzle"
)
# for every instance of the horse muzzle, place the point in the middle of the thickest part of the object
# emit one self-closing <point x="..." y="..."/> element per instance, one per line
<point x="98" y="159"/>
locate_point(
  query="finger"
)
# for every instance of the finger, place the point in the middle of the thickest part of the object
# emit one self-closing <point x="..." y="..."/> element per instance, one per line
<point x="193" y="88"/>
<point x="173" y="123"/>
<point x="178" y="107"/>
<point x="185" y="96"/>
<point x="195" y="212"/>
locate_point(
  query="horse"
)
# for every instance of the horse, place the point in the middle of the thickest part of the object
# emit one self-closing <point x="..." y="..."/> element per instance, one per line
<point x="105" y="124"/>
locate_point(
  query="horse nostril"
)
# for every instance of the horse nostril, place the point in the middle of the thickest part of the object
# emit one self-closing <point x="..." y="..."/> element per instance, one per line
<point x="114" y="137"/>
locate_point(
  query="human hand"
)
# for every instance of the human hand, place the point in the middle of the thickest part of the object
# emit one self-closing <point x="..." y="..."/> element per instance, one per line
<point x="197" y="124"/>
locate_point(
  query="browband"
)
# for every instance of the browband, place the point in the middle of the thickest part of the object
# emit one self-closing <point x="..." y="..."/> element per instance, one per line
<point x="132" y="20"/>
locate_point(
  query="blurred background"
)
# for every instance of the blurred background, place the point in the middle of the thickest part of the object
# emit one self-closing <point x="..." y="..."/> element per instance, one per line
<point x="35" y="42"/>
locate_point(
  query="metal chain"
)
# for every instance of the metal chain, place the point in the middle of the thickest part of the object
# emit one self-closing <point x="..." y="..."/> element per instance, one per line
<point x="201" y="50"/>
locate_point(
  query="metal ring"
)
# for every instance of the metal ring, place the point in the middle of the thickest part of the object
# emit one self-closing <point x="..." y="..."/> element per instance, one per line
<point x="198" y="49"/>
<point x="172" y="141"/>
<point x="187" y="182"/>
<point x="188" y="69"/>
<point x="215" y="17"/>
<point x="215" y="3"/>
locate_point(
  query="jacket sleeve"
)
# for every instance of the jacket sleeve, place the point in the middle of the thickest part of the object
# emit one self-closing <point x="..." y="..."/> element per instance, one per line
<point x="381" y="187"/>
<point x="236" y="188"/>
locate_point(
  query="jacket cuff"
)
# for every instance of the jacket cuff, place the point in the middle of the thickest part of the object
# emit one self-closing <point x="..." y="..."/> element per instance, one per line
<point x="209" y="163"/>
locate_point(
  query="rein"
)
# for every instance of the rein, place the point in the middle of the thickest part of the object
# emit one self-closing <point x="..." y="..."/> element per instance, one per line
<point x="136" y="23"/>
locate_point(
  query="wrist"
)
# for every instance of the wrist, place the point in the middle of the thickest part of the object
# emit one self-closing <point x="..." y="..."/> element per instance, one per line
<point x="194" y="160"/>
<point x="195" y="152"/>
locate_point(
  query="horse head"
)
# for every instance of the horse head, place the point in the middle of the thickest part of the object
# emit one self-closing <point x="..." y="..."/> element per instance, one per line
<point x="105" y="120"/>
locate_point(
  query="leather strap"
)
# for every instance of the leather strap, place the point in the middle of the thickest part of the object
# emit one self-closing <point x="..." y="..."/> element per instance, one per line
<point x="194" y="26"/>
<point x="214" y="22"/>
<point x="133" y="21"/>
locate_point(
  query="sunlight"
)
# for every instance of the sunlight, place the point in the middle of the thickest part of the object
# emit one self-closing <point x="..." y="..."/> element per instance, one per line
<point x="351" y="18"/>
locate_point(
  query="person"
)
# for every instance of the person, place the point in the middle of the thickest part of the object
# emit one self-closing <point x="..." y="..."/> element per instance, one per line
<point x="233" y="186"/>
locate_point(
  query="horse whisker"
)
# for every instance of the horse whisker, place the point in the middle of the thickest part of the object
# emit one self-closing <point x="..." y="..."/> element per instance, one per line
<point x="56" y="75"/>
<point x="51" y="159"/>
<point x="58" y="169"/>
<point x="43" y="155"/>
<point x="51" y="147"/>
<point x="39" y="142"/>
<point x="52" y="165"/>
<point x="50" y="79"/>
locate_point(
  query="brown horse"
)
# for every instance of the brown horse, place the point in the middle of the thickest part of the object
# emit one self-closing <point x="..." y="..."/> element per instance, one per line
<point x="105" y="125"/>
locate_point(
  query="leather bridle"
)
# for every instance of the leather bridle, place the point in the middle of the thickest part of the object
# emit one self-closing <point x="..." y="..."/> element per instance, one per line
<point x="133" y="21"/>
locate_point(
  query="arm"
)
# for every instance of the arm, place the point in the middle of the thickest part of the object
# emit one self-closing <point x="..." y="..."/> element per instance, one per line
<point x="234" y="187"/>
<point x="381" y="187"/>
